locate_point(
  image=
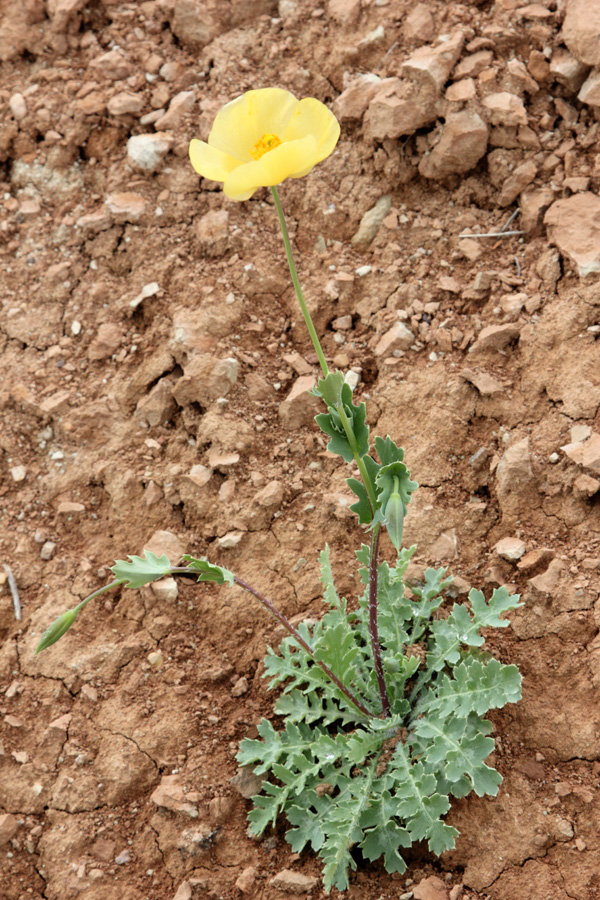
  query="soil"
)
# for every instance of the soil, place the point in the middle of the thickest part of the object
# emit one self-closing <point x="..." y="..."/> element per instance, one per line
<point x="117" y="746"/>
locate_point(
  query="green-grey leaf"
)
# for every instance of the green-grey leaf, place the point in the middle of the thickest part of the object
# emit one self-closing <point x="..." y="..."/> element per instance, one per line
<point x="330" y="388"/>
<point x="209" y="572"/>
<point x="141" y="569"/>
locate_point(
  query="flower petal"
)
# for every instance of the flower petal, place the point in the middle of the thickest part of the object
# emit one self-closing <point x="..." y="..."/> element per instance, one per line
<point x="290" y="160"/>
<point x="312" y="117"/>
<point x="210" y="162"/>
<point x="241" y="123"/>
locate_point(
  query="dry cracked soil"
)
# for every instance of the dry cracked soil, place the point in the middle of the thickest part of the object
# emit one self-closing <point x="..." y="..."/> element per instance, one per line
<point x="152" y="395"/>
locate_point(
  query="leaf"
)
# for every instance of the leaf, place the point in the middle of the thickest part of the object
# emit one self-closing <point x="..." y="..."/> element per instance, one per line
<point x="488" y="615"/>
<point x="387" y="451"/>
<point x="308" y="820"/>
<point x="362" y="507"/>
<point x="337" y="649"/>
<point x="458" y="747"/>
<point x="475" y="687"/>
<point x="141" y="569"/>
<point x="331" y="424"/>
<point x="385" y="840"/>
<point x="208" y="572"/>
<point x="330" y="388"/>
<point x="395" y="478"/>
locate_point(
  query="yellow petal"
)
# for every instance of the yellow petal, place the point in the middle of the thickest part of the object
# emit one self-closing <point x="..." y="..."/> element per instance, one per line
<point x="290" y="160"/>
<point x="312" y="117"/>
<point x="241" y="123"/>
<point x="210" y="162"/>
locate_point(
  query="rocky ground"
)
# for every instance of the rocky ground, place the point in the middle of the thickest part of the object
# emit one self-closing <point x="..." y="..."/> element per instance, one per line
<point x="154" y="366"/>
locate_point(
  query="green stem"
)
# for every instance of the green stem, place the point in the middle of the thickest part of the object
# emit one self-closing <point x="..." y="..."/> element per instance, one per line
<point x="373" y="629"/>
<point x="358" y="459"/>
<point x="290" y="258"/>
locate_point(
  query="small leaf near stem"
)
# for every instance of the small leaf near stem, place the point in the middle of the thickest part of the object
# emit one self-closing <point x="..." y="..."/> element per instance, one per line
<point x="295" y="281"/>
<point x="359" y="461"/>
<point x="298" y="637"/>
<point x="373" y="630"/>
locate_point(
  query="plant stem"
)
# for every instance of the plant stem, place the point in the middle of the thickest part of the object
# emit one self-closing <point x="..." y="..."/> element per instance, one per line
<point x="359" y="462"/>
<point x="373" y="630"/>
<point x="298" y="637"/>
<point x="295" y="281"/>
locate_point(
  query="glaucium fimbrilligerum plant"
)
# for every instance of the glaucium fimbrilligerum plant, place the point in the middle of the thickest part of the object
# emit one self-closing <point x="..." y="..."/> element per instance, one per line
<point x="383" y="703"/>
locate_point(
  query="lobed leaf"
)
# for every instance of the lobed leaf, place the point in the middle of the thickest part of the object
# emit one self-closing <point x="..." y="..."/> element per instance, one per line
<point x="141" y="570"/>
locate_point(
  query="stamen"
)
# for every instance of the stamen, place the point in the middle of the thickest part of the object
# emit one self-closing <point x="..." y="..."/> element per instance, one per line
<point x="264" y="144"/>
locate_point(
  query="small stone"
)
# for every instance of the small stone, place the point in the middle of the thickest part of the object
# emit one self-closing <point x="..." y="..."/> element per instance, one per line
<point x="462" y="144"/>
<point x="535" y="558"/>
<point x="574" y="225"/>
<point x="461" y="91"/>
<point x="456" y="892"/>
<point x="212" y="232"/>
<point x="371" y="222"/>
<point x="107" y="341"/>
<point x="585" y="486"/>
<point x="246" y="782"/>
<point x="124" y="103"/>
<point x="184" y="891"/>
<point x="205" y="379"/>
<point x="510" y="548"/>
<point x="568" y="70"/>
<point x="126" y="206"/>
<point x="170" y="795"/>
<point x="157" y="407"/>
<point x="470" y="248"/>
<point x="147" y="151"/>
<point x="112" y="66"/>
<point x="581" y="31"/>
<point x="549" y="581"/>
<point x="271" y="496"/>
<point x="156" y="659"/>
<point x="516" y="182"/>
<point x="246" y="880"/>
<point x="590" y="90"/>
<point x="495" y="337"/>
<point x="432" y="888"/>
<point x="419" y="24"/>
<point x="355" y="98"/>
<point x="299" y="407"/>
<point x="102" y="850"/>
<point x="230" y="540"/>
<point x="75" y="327"/>
<point x="505" y="109"/>
<point x="8" y="828"/>
<point x="18" y="106"/>
<point x="168" y="543"/>
<point x="513" y="475"/>
<point x="240" y="688"/>
<point x="48" y="550"/>
<point x="165" y="590"/>
<point x="472" y="65"/>
<point x="179" y="105"/>
<point x="293" y="882"/>
<point x="67" y="508"/>
<point x="220" y="809"/>
<point x="123" y="858"/>
<point x="399" y="337"/>
<point x="18" y="473"/>
<point x="149" y="290"/>
<point x="585" y="453"/>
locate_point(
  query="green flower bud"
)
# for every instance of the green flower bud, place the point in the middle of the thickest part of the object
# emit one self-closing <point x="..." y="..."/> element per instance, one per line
<point x="55" y="631"/>
<point x="393" y="517"/>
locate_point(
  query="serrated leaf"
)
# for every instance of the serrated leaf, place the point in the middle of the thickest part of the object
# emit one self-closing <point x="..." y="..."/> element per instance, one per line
<point x="362" y="507"/>
<point x="488" y="614"/>
<point x="331" y="424"/>
<point x="209" y="572"/>
<point x="141" y="570"/>
<point x="387" y="451"/>
<point x="384" y="841"/>
<point x="337" y="649"/>
<point x="308" y="822"/>
<point x="475" y="687"/>
<point x="330" y="388"/>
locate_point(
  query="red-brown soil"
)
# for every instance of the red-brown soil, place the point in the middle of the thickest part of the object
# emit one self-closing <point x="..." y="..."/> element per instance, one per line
<point x="104" y="420"/>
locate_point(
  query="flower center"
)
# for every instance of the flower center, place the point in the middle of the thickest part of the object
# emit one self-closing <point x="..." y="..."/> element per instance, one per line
<point x="264" y="144"/>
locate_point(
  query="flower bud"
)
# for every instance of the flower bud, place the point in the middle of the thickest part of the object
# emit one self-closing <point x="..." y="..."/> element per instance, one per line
<point x="394" y="519"/>
<point x="55" y="631"/>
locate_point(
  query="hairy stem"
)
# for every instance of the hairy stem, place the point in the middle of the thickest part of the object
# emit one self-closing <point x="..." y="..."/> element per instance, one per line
<point x="295" y="281"/>
<point x="298" y="637"/>
<point x="373" y="630"/>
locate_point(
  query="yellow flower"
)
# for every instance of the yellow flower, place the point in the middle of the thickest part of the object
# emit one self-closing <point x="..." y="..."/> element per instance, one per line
<point x="262" y="138"/>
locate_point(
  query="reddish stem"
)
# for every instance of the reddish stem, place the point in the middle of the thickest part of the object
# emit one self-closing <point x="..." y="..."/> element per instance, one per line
<point x="298" y="637"/>
<point x="373" y="630"/>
